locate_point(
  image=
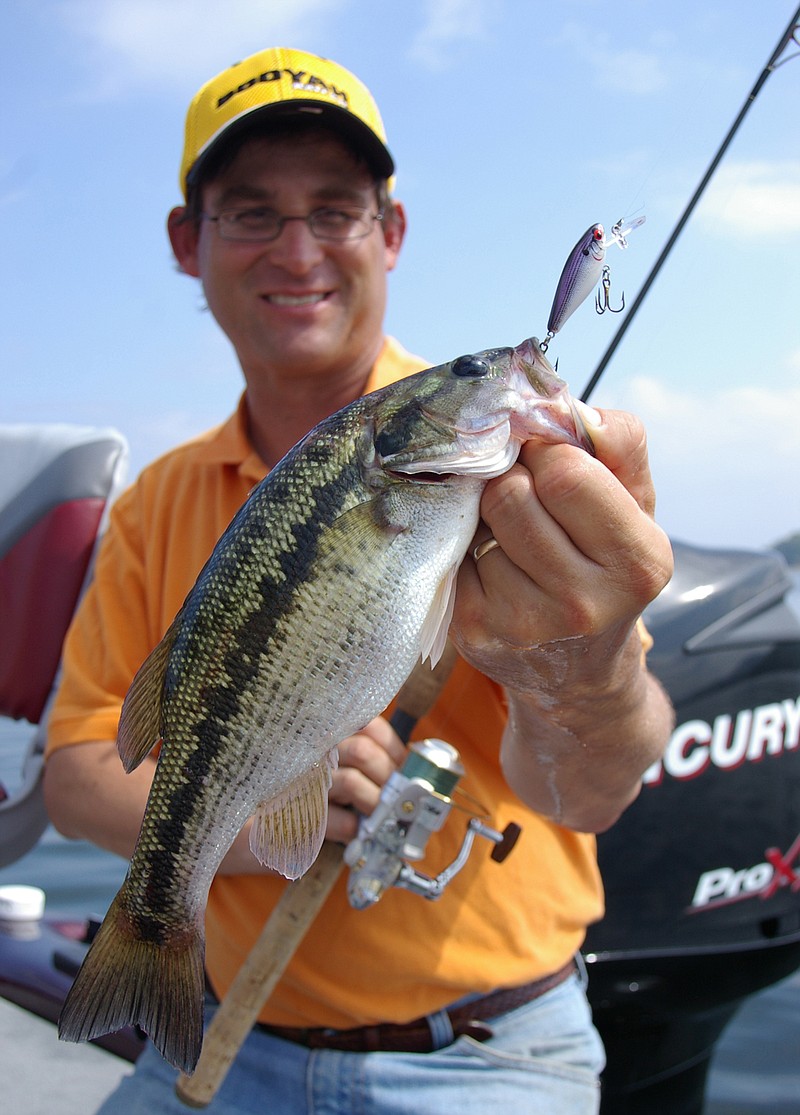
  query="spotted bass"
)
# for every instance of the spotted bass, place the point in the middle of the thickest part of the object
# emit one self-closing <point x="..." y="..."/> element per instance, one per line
<point x="334" y="578"/>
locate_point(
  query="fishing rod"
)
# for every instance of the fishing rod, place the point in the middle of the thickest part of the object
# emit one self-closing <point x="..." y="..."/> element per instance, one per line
<point x="788" y="36"/>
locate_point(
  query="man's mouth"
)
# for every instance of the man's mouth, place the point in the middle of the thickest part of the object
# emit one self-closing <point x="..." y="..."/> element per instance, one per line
<point x="296" y="299"/>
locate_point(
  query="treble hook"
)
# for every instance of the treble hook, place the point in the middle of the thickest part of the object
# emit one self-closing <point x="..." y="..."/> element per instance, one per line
<point x="603" y="303"/>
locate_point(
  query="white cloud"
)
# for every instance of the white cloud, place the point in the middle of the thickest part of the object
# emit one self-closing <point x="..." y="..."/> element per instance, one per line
<point x="726" y="462"/>
<point x="448" y="22"/>
<point x="630" y="71"/>
<point x="623" y="69"/>
<point x="754" y="198"/>
<point x="730" y="420"/>
<point x="180" y="42"/>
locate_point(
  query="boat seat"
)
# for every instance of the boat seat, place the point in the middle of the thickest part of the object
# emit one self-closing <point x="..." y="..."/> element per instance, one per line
<point x="57" y="483"/>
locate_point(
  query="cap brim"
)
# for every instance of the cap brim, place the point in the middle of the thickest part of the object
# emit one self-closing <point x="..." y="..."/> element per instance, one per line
<point x="340" y="120"/>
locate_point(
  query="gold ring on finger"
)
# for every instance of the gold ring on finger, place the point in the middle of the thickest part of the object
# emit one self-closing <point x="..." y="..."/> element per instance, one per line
<point x="484" y="547"/>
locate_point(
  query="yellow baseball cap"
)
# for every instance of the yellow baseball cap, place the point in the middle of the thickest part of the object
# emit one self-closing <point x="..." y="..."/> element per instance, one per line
<point x="283" y="80"/>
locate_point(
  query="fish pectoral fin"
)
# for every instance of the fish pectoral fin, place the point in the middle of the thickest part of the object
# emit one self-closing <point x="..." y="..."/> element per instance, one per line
<point x="359" y="533"/>
<point x="140" y="721"/>
<point x="433" y="637"/>
<point x="288" y="830"/>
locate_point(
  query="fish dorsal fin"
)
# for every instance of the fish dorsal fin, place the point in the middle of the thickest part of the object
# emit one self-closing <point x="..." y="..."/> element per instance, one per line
<point x="288" y="830"/>
<point x="437" y="622"/>
<point x="140" y="721"/>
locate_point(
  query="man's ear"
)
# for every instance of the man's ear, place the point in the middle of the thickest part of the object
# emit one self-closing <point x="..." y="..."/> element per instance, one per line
<point x="394" y="231"/>
<point x="183" y="236"/>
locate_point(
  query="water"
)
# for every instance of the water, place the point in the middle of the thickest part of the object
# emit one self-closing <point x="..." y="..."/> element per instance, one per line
<point x="756" y="1066"/>
<point x="77" y="878"/>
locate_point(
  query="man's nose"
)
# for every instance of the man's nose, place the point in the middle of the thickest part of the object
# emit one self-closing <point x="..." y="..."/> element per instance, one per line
<point x="295" y="248"/>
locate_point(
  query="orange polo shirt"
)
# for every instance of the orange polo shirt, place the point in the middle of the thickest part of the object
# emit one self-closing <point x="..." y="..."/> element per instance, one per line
<point x="496" y="924"/>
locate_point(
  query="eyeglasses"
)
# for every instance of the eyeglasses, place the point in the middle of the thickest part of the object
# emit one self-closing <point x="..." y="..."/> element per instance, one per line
<point x="262" y="225"/>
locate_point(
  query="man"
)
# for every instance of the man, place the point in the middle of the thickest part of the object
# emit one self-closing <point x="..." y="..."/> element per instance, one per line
<point x="290" y="227"/>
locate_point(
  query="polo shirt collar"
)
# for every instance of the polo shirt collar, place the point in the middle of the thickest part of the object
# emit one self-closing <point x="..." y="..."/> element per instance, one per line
<point x="229" y="444"/>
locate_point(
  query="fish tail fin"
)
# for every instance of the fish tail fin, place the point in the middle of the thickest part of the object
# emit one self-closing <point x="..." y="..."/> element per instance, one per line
<point x="126" y="980"/>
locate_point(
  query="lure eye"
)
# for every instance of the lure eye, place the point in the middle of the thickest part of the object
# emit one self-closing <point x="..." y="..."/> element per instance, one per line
<point x="470" y="366"/>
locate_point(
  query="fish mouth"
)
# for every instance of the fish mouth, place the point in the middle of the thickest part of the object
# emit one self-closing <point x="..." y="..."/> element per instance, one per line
<point x="475" y="455"/>
<point x="555" y="406"/>
<point x="421" y="477"/>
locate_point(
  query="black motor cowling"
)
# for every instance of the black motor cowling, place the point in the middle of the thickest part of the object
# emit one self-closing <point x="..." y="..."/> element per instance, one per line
<point x="702" y="873"/>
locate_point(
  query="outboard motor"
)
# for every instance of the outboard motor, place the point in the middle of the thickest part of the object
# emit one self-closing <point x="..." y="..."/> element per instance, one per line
<point x="702" y="873"/>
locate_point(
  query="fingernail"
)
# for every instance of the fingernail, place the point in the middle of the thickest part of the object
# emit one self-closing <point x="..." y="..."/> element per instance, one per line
<point x="590" y="416"/>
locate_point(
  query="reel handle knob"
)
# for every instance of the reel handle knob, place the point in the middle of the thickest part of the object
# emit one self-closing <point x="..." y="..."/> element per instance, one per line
<point x="506" y="843"/>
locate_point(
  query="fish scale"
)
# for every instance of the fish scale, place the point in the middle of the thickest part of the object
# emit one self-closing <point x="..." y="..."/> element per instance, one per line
<point x="333" y="579"/>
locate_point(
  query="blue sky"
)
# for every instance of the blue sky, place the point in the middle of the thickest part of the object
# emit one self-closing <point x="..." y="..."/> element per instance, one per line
<point x="515" y="125"/>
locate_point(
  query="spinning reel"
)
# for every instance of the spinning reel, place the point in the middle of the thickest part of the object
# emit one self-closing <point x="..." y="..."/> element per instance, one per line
<point x="415" y="803"/>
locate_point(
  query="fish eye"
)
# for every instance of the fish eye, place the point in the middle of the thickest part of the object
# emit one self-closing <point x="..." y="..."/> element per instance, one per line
<point x="471" y="366"/>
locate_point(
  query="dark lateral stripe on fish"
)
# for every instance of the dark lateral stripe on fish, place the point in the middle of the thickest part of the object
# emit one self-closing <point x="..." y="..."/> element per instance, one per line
<point x="255" y="628"/>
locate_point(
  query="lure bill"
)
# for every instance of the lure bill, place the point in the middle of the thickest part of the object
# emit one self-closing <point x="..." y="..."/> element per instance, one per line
<point x="622" y="230"/>
<point x="584" y="270"/>
<point x="335" y="577"/>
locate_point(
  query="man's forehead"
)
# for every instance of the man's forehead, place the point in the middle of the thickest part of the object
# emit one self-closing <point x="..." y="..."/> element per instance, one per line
<point x="266" y="163"/>
<point x="311" y="140"/>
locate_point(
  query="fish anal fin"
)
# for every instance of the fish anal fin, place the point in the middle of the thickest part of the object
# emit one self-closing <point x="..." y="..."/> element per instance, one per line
<point x="288" y="830"/>
<point x="140" y="720"/>
<point x="126" y="980"/>
<point x="433" y="637"/>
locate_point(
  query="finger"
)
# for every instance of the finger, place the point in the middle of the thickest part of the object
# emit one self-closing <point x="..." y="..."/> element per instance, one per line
<point x="529" y="524"/>
<point x="381" y="732"/>
<point x="621" y="444"/>
<point x="366" y="760"/>
<point x="575" y="548"/>
<point x="588" y="503"/>
<point x="606" y="523"/>
<point x="342" y="824"/>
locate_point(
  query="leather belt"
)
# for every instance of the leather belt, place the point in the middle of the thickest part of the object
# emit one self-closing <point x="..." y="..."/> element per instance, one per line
<point x="417" y="1037"/>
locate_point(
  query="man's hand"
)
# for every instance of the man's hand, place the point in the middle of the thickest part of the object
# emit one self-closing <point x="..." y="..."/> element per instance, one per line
<point x="551" y="615"/>
<point x="579" y="557"/>
<point x="366" y="760"/>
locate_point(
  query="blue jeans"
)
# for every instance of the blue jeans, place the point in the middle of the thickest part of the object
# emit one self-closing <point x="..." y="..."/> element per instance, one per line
<point x="543" y="1059"/>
